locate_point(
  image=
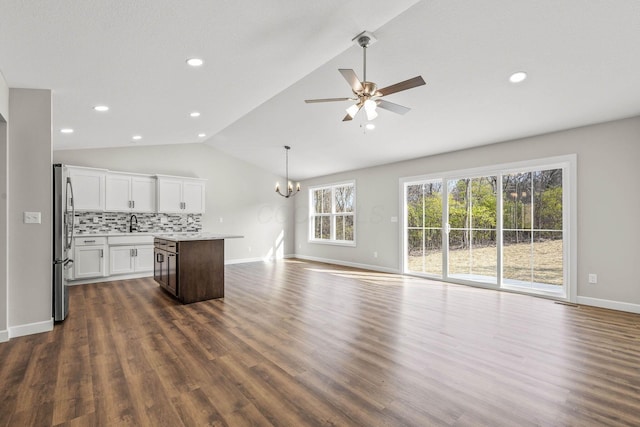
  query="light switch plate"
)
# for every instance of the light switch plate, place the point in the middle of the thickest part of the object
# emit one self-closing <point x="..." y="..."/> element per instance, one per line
<point x="32" y="218"/>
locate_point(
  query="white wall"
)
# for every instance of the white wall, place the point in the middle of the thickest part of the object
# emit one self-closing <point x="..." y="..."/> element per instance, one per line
<point x="30" y="245"/>
<point x="239" y="193"/>
<point x="4" y="146"/>
<point x="608" y="208"/>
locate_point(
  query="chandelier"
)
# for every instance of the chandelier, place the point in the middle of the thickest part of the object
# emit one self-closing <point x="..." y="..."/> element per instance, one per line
<point x="290" y="192"/>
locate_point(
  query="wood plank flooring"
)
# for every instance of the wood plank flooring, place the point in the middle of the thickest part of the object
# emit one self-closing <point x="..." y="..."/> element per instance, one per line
<point x="297" y="343"/>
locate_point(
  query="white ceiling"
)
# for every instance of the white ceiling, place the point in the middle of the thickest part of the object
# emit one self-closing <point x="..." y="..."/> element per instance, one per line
<point x="263" y="58"/>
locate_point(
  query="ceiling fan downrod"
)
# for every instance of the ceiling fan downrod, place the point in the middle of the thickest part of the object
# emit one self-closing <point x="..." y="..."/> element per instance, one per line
<point x="364" y="43"/>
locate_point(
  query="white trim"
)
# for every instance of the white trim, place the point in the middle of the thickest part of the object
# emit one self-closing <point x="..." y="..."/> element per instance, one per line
<point x="332" y="215"/>
<point x="524" y="165"/>
<point x="244" y="260"/>
<point x="4" y="335"/>
<point x="110" y="278"/>
<point x="349" y="264"/>
<point x="568" y="163"/>
<point x="610" y="304"/>
<point x="31" y="328"/>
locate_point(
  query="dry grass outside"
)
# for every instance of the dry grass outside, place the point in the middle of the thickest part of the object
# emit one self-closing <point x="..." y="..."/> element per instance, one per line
<point x="546" y="257"/>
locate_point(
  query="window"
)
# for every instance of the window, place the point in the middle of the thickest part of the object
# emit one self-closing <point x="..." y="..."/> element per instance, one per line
<point x="332" y="218"/>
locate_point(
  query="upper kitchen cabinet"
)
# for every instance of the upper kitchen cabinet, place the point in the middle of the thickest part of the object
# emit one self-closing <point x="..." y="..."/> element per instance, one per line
<point x="180" y="195"/>
<point x="88" y="187"/>
<point x="130" y="192"/>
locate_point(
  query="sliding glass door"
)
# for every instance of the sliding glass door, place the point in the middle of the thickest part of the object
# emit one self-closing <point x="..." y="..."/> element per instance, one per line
<point x="423" y="247"/>
<point x="532" y="233"/>
<point x="503" y="229"/>
<point x="472" y="249"/>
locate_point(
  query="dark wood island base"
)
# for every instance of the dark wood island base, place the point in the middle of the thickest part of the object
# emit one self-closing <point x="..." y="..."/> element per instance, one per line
<point x="190" y="267"/>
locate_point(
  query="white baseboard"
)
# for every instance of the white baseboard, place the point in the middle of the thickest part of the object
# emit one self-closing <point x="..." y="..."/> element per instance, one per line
<point x="243" y="261"/>
<point x="4" y="335"/>
<point x="349" y="264"/>
<point x="30" y="328"/>
<point x="612" y="305"/>
<point x="247" y="260"/>
<point x="110" y="278"/>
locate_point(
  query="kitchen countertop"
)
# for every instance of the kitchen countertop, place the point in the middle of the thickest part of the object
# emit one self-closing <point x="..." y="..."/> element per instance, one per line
<point x="183" y="237"/>
<point x="135" y="233"/>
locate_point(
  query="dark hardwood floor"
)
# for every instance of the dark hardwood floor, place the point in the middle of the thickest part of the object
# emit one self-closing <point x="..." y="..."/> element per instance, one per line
<point x="297" y="343"/>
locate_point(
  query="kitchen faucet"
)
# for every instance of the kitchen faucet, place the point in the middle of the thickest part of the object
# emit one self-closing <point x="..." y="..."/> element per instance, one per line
<point x="131" y="223"/>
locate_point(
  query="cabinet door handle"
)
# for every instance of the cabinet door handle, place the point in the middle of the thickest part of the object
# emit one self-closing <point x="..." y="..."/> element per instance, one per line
<point x="133" y="203"/>
<point x="135" y="252"/>
<point x="101" y="253"/>
<point x="89" y="241"/>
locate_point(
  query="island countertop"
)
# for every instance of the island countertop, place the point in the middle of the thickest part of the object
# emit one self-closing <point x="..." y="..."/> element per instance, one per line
<point x="184" y="237"/>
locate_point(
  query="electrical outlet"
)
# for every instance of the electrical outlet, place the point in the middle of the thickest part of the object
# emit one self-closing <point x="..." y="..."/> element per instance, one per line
<point x="163" y="220"/>
<point x="220" y="219"/>
<point x="593" y="278"/>
<point x="95" y="219"/>
<point x="375" y="254"/>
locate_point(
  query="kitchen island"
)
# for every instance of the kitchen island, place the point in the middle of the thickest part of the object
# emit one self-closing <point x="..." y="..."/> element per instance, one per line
<point x="190" y="266"/>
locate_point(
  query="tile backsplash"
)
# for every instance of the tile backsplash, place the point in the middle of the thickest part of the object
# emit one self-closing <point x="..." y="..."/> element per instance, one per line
<point x="104" y="222"/>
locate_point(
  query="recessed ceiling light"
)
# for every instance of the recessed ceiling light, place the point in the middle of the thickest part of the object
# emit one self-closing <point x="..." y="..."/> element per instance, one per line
<point x="101" y="108"/>
<point x="66" y="130"/>
<point x="195" y="114"/>
<point x="136" y="137"/>
<point x="195" y="62"/>
<point x="370" y="126"/>
<point x="202" y="135"/>
<point x="518" y="77"/>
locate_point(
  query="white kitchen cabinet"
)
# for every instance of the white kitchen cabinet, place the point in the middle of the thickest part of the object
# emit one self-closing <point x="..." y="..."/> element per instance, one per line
<point x="130" y="193"/>
<point x="88" y="187"/>
<point x="143" y="261"/>
<point x="130" y="259"/>
<point x="89" y="257"/>
<point x="181" y="195"/>
<point x="130" y="254"/>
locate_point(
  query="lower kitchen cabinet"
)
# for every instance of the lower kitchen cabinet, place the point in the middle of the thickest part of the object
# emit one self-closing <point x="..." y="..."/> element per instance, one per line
<point x="130" y="259"/>
<point x="89" y="258"/>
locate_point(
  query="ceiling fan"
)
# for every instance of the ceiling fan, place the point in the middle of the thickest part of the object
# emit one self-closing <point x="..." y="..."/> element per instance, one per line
<point x="367" y="93"/>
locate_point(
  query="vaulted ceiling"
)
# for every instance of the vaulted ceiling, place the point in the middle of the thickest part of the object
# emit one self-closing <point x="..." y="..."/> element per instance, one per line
<point x="262" y="59"/>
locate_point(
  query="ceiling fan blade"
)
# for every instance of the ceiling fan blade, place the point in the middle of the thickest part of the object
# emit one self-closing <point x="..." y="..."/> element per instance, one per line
<point x="396" y="108"/>
<point x="351" y="78"/>
<point x="347" y="118"/>
<point x="311" y="101"/>
<point x="407" y="84"/>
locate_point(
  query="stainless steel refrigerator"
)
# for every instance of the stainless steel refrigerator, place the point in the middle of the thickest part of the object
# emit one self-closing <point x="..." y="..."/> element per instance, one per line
<point x="63" y="222"/>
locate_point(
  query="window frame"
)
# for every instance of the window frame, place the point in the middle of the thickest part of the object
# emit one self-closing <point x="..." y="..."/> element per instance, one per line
<point x="332" y="215"/>
<point x="568" y="163"/>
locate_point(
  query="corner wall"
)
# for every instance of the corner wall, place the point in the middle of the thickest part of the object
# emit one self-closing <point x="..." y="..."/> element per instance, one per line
<point x="4" y="147"/>
<point x="30" y="245"/>
<point x="607" y="206"/>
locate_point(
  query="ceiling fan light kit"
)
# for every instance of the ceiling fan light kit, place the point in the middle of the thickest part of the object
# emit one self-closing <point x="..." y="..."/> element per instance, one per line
<point x="366" y="93"/>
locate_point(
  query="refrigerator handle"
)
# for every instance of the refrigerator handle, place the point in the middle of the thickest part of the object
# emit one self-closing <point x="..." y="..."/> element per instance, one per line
<point x="69" y="236"/>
